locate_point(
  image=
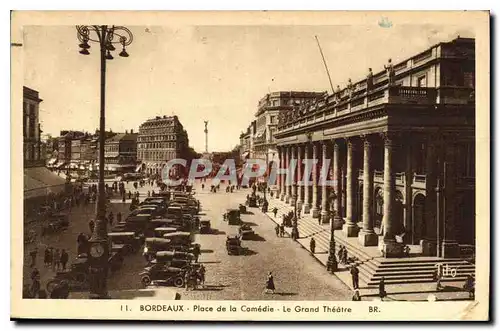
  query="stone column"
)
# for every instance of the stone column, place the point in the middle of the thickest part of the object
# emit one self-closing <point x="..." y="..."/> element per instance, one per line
<point x="306" y="207"/>
<point x="325" y="213"/>
<point x="337" y="187"/>
<point x="293" y="151"/>
<point x="350" y="228"/>
<point x="367" y="236"/>
<point x="314" y="209"/>
<point x="390" y="247"/>
<point x="278" y="176"/>
<point x="300" y="187"/>
<point x="429" y="242"/>
<point x="289" y="179"/>
<point x="449" y="245"/>
<point x="283" y="176"/>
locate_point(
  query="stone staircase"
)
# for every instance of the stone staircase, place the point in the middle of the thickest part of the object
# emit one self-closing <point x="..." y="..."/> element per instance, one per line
<point x="373" y="266"/>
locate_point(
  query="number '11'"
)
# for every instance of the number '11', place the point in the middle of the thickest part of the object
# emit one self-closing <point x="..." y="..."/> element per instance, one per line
<point x="124" y="308"/>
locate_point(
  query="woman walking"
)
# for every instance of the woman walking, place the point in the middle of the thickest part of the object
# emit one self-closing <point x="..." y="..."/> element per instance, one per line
<point x="270" y="283"/>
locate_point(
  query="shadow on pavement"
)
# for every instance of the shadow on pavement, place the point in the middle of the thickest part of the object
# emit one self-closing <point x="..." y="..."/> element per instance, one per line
<point x="248" y="252"/>
<point x="248" y="212"/>
<point x="209" y="262"/>
<point x="217" y="232"/>
<point x="204" y="251"/>
<point x="286" y="293"/>
<point x="255" y="237"/>
<point x="249" y="223"/>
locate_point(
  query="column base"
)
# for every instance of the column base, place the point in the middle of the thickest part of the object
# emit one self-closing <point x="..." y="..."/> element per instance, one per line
<point x="325" y="216"/>
<point x="338" y="222"/>
<point x="350" y="229"/>
<point x="429" y="247"/>
<point x="368" y="238"/>
<point x="306" y="208"/>
<point x="287" y="199"/>
<point x="315" y="212"/>
<point x="391" y="248"/>
<point x="450" y="249"/>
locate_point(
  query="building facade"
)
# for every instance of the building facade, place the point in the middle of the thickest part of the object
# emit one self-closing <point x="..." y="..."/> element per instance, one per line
<point x="266" y="120"/>
<point x="246" y="142"/>
<point x="31" y="127"/>
<point x="161" y="139"/>
<point x="120" y="152"/>
<point x="402" y="148"/>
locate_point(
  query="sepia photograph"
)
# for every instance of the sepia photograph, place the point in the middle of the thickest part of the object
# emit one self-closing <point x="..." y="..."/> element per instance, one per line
<point x="271" y="164"/>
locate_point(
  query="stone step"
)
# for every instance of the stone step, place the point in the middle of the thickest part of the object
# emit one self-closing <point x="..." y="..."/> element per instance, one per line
<point x="374" y="283"/>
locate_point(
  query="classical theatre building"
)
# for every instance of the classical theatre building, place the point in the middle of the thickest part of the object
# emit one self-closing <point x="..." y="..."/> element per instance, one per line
<point x="402" y="147"/>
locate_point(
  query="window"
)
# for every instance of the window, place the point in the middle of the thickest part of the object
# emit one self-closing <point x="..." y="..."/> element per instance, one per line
<point x="422" y="81"/>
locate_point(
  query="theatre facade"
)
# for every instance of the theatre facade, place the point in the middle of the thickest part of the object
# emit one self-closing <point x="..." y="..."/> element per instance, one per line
<point x="402" y="148"/>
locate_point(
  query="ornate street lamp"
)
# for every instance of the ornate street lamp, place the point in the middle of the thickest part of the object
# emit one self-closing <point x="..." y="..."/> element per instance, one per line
<point x="106" y="37"/>
<point x="332" y="264"/>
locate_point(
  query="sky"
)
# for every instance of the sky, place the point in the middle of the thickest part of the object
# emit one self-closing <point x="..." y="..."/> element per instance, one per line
<point x="214" y="73"/>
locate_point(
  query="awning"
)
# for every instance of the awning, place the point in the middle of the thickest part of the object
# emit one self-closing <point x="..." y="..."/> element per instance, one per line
<point x="40" y="181"/>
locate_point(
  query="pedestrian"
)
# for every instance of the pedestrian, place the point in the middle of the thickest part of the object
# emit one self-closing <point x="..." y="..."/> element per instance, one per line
<point x="298" y="213"/>
<point x="202" y="274"/>
<point x="277" y="229"/>
<point x="355" y="277"/>
<point x="356" y="296"/>
<point x="91" y="226"/>
<point x="196" y="252"/>
<point x="381" y="289"/>
<point x="312" y="245"/>
<point x="129" y="195"/>
<point x="319" y="219"/>
<point x="270" y="283"/>
<point x="56" y="260"/>
<point x="339" y="253"/>
<point x="35" y="283"/>
<point x="123" y="198"/>
<point x="119" y="217"/>
<point x="111" y="218"/>
<point x="64" y="259"/>
<point x="437" y="278"/>
<point x="344" y="256"/>
<point x="47" y="255"/>
<point x="275" y="211"/>
<point x="282" y="230"/>
<point x="33" y="254"/>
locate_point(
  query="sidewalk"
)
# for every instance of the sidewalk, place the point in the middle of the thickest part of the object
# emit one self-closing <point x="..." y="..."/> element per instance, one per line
<point x="309" y="227"/>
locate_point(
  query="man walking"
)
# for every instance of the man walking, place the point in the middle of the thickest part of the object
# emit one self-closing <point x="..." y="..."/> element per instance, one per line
<point x="33" y="254"/>
<point x="64" y="259"/>
<point x="355" y="277"/>
<point x="275" y="211"/>
<point x="312" y="245"/>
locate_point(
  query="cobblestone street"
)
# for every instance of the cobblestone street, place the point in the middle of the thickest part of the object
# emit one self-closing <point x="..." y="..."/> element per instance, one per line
<point x="298" y="276"/>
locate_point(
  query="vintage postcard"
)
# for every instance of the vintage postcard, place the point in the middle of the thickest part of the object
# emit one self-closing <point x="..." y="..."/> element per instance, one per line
<point x="250" y="166"/>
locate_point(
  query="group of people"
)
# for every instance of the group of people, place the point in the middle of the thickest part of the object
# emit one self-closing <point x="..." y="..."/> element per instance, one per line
<point x="280" y="230"/>
<point x="194" y="276"/>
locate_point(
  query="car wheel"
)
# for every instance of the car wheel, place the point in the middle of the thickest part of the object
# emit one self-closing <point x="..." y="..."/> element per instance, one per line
<point x="146" y="280"/>
<point x="51" y="285"/>
<point x="179" y="282"/>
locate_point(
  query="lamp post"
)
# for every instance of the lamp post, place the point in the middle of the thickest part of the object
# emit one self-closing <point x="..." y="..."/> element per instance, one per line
<point x="332" y="264"/>
<point x="105" y="36"/>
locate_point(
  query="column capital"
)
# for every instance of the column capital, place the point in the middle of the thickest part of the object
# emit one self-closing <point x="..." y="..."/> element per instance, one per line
<point x="391" y="139"/>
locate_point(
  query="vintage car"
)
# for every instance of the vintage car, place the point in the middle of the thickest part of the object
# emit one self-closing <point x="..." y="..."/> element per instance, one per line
<point x="233" y="246"/>
<point x="179" y="238"/>
<point x="160" y="232"/>
<point x="245" y="231"/>
<point x="242" y="208"/>
<point x="205" y="226"/>
<point x="174" y="211"/>
<point x="128" y="242"/>
<point x="252" y="201"/>
<point x="232" y="217"/>
<point x="163" y="273"/>
<point x="167" y="256"/>
<point x="154" y="245"/>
